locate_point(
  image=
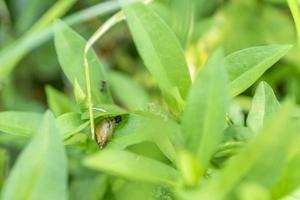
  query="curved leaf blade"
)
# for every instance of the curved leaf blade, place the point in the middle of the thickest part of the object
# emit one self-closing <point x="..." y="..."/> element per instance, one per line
<point x="131" y="166"/>
<point x="159" y="48"/>
<point x="244" y="67"/>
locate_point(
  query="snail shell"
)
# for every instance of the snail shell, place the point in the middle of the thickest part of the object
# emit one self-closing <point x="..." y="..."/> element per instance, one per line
<point x="104" y="131"/>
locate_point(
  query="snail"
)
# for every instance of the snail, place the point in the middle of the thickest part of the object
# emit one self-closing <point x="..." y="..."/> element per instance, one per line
<point x="104" y="130"/>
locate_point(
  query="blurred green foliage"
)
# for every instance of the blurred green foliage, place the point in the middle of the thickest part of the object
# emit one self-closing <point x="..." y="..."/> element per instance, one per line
<point x="207" y="91"/>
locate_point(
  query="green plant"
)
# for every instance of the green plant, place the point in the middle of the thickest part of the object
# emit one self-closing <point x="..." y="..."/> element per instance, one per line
<point x="188" y="145"/>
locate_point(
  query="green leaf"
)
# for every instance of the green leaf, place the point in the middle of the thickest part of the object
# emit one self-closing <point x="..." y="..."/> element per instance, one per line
<point x="183" y="17"/>
<point x="290" y="179"/>
<point x="41" y="170"/>
<point x="26" y="123"/>
<point x="131" y="166"/>
<point x="263" y="106"/>
<point x="58" y="102"/>
<point x="93" y="188"/>
<point x="244" y="67"/>
<point x="203" y="119"/>
<point x="251" y="163"/>
<point x="160" y="50"/>
<point x="70" y="50"/>
<point x="295" y="10"/>
<point x="129" y="92"/>
<point x="4" y="163"/>
<point x="70" y="124"/>
<point x="138" y="129"/>
<point x="19" y="123"/>
<point x="105" y="110"/>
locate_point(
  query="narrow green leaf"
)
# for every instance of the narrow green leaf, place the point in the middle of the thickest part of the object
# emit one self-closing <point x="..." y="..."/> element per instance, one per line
<point x="58" y="102"/>
<point x="251" y="163"/>
<point x="128" y="92"/>
<point x="45" y="176"/>
<point x="70" y="48"/>
<point x="203" y="119"/>
<point x="295" y="10"/>
<point x="132" y="166"/>
<point x="244" y="67"/>
<point x="57" y="10"/>
<point x="263" y="106"/>
<point x="4" y="163"/>
<point x="160" y="50"/>
<point x="19" y="123"/>
<point x="183" y="18"/>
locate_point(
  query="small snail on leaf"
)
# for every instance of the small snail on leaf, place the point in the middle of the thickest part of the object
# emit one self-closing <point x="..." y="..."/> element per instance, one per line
<point x="104" y="130"/>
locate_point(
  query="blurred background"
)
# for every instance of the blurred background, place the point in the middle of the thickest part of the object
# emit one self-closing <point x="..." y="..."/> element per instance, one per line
<point x="28" y="61"/>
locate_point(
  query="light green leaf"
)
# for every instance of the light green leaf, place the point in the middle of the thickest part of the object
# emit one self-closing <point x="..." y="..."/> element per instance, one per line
<point x="58" y="102"/>
<point x="263" y="106"/>
<point x="129" y="92"/>
<point x="204" y="116"/>
<point x="138" y="129"/>
<point x="70" y="124"/>
<point x="295" y="10"/>
<point x="244" y="67"/>
<point x="4" y="163"/>
<point x="160" y="50"/>
<point x="290" y="179"/>
<point x="26" y="123"/>
<point x="93" y="188"/>
<point x="131" y="166"/>
<point x="19" y="123"/>
<point x="251" y="163"/>
<point x="70" y="50"/>
<point x="183" y="16"/>
<point x="45" y="176"/>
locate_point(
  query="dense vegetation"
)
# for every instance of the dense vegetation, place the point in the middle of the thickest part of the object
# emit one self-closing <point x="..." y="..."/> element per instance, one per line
<point x="162" y="99"/>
